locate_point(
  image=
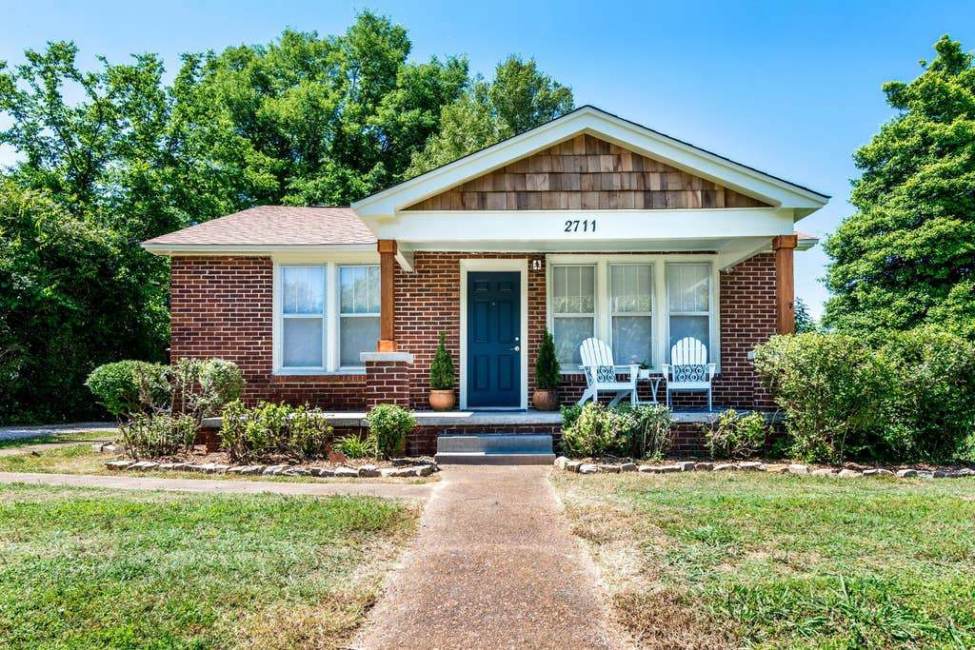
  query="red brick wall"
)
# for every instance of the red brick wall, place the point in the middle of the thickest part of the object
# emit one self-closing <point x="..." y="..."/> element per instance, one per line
<point x="222" y="307"/>
<point x="747" y="319"/>
<point x="428" y="302"/>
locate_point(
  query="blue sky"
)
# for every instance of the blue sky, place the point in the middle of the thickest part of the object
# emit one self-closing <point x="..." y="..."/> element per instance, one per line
<point x="791" y="88"/>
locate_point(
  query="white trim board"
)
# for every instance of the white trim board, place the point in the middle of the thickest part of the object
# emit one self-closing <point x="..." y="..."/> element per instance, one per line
<point x="593" y="121"/>
<point x="520" y="265"/>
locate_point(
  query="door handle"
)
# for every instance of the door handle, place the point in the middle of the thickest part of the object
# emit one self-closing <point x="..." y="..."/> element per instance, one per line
<point x="517" y="348"/>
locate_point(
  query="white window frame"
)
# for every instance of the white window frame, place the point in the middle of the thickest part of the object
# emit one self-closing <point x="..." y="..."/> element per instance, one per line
<point x="340" y="315"/>
<point x="643" y="314"/>
<point x="595" y="300"/>
<point x="659" y="303"/>
<point x="332" y="352"/>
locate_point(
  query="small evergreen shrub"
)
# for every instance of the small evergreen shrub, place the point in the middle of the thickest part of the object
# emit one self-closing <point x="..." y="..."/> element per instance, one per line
<point x="547" y="364"/>
<point x="356" y="447"/>
<point x="220" y="382"/>
<point x="273" y="431"/>
<point x="147" y="435"/>
<point x="126" y="387"/>
<point x="442" y="367"/>
<point x="389" y="425"/>
<point x="569" y="415"/>
<point x="737" y="436"/>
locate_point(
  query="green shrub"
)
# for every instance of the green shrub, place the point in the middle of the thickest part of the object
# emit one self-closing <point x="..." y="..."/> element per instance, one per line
<point x="126" y="387"/>
<point x="594" y="433"/>
<point x="833" y="390"/>
<point x="644" y="431"/>
<point x="569" y="415"/>
<point x="273" y="430"/>
<point x="389" y="425"/>
<point x="932" y="405"/>
<point x="356" y="447"/>
<point x="147" y="435"/>
<point x="737" y="436"/>
<point x="442" y="367"/>
<point x="202" y="387"/>
<point x="547" y="364"/>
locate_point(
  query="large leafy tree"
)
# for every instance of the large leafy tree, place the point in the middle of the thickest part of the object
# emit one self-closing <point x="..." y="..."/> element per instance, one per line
<point x="519" y="98"/>
<point x="907" y="256"/>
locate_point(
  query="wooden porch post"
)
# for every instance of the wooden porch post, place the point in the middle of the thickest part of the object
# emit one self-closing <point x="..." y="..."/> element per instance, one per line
<point x="785" y="293"/>
<point x="387" y="314"/>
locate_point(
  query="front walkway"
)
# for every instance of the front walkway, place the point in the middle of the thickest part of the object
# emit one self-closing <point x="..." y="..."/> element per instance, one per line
<point x="220" y="486"/>
<point x="31" y="431"/>
<point x="494" y="566"/>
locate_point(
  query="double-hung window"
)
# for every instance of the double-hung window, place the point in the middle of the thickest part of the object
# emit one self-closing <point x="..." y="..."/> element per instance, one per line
<point x="573" y="310"/>
<point x="328" y="315"/>
<point x="631" y="313"/>
<point x="358" y="312"/>
<point x="303" y="317"/>
<point x="689" y="302"/>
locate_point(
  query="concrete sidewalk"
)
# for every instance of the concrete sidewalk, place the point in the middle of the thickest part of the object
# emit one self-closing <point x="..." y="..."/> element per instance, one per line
<point x="228" y="486"/>
<point x="18" y="432"/>
<point x="494" y="566"/>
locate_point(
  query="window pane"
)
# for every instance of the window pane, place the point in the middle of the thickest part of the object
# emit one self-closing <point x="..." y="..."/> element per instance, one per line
<point x="693" y="326"/>
<point x="569" y="333"/>
<point x="630" y="288"/>
<point x="573" y="289"/>
<point x="304" y="289"/>
<point x="632" y="340"/>
<point x="303" y="344"/>
<point x="688" y="287"/>
<point x="357" y="334"/>
<point x="359" y="289"/>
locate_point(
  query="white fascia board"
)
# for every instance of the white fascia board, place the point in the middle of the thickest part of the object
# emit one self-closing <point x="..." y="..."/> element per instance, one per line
<point x="610" y="225"/>
<point x="613" y="129"/>
<point x="223" y="249"/>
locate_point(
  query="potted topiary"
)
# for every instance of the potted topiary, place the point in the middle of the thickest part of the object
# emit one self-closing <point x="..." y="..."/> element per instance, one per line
<point x="442" y="379"/>
<point x="546" y="395"/>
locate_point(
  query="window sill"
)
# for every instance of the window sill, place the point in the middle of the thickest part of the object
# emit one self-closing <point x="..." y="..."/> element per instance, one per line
<point x="297" y="372"/>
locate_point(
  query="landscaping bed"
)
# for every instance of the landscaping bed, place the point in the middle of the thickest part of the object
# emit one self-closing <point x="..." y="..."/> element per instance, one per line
<point x="87" y="568"/>
<point x="729" y="559"/>
<point x="848" y="470"/>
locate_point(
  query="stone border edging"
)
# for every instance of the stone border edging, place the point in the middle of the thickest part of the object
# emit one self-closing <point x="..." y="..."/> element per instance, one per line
<point x="365" y="471"/>
<point x="798" y="469"/>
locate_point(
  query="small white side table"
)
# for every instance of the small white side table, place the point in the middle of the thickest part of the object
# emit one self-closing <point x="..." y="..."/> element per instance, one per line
<point x="654" y="379"/>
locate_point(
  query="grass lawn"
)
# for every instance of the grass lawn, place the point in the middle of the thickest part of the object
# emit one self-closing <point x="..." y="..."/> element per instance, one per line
<point x="84" y="568"/>
<point x="71" y="436"/>
<point x="719" y="560"/>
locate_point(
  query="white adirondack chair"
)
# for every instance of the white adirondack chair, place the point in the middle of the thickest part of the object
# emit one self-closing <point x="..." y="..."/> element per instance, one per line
<point x="689" y="370"/>
<point x="601" y="373"/>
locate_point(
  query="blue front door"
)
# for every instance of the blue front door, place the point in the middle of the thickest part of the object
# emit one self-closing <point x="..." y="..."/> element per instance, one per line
<point x="493" y="339"/>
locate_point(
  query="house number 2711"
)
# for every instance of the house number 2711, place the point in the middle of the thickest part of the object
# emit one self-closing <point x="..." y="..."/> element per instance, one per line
<point x="580" y="225"/>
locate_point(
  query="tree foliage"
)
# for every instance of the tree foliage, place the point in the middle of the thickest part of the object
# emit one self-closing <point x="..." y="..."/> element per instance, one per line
<point x="109" y="157"/>
<point x="520" y="98"/>
<point x="907" y="256"/>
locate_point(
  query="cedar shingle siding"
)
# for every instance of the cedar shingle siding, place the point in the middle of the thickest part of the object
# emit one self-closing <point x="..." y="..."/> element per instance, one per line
<point x="586" y="173"/>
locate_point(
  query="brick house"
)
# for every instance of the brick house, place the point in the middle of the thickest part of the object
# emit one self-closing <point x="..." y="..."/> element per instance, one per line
<point x="587" y="225"/>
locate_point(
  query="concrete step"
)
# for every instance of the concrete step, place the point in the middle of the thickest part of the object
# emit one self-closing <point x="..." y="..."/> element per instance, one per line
<point x="480" y="458"/>
<point x="495" y="449"/>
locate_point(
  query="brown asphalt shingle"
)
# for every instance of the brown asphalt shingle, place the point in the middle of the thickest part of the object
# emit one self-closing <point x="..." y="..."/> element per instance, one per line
<point x="274" y="225"/>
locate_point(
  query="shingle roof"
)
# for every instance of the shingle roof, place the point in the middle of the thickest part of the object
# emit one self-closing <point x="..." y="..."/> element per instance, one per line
<point x="274" y="225"/>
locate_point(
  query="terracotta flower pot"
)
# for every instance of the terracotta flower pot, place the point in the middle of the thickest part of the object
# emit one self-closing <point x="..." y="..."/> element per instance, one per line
<point x="545" y="399"/>
<point x="442" y="400"/>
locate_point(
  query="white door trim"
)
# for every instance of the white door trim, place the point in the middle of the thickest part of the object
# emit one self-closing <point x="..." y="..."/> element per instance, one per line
<point x="519" y="265"/>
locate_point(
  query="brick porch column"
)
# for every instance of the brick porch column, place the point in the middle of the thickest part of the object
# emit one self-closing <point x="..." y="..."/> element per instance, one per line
<point x="387" y="378"/>
<point x="387" y="291"/>
<point x="785" y="310"/>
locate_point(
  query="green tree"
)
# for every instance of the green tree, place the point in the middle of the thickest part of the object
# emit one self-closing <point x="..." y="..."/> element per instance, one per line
<point x="804" y="320"/>
<point x="520" y="98"/>
<point x="907" y="256"/>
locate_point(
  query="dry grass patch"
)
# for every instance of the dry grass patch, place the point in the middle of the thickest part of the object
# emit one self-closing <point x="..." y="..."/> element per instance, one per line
<point x="713" y="560"/>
